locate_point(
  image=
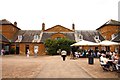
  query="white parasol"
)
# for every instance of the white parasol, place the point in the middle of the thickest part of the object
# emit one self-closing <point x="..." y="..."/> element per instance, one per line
<point x="84" y="43"/>
<point x="107" y="43"/>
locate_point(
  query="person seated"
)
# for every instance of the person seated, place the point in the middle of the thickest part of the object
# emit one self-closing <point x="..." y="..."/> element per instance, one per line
<point x="76" y="55"/>
<point x="115" y="61"/>
<point x="118" y="65"/>
<point x="104" y="62"/>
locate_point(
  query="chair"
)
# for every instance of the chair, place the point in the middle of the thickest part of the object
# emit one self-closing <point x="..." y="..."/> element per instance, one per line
<point x="106" y="67"/>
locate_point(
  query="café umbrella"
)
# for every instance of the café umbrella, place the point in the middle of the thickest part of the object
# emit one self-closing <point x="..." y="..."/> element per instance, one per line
<point x="84" y="43"/>
<point x="107" y="43"/>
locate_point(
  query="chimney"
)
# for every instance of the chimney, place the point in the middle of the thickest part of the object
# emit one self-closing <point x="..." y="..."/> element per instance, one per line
<point x="15" y="23"/>
<point x="73" y="27"/>
<point x="43" y="26"/>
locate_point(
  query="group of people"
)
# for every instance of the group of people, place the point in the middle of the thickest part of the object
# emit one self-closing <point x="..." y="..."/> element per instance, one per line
<point x="84" y="53"/>
<point x="35" y="52"/>
<point x="110" y="61"/>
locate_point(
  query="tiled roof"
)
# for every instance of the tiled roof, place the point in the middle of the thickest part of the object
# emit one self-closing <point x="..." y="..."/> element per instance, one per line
<point x="47" y="35"/>
<point x="88" y="35"/>
<point x="110" y="22"/>
<point x="117" y="38"/>
<point x="3" y="38"/>
<point x="6" y="22"/>
<point x="27" y="35"/>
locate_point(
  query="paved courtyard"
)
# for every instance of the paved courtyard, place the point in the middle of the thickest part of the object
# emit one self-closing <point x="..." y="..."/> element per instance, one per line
<point x="15" y="66"/>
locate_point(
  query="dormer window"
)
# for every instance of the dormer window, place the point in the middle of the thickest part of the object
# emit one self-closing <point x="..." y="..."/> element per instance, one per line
<point x="113" y="36"/>
<point x="97" y="37"/>
<point x="19" y="37"/>
<point x="81" y="37"/>
<point x="36" y="37"/>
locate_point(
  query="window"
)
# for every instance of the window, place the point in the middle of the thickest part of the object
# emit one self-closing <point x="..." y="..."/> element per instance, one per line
<point x="97" y="37"/>
<point x="81" y="37"/>
<point x="113" y="36"/>
<point x="36" y="48"/>
<point x="20" y="37"/>
<point x="36" y="37"/>
<point x="57" y="38"/>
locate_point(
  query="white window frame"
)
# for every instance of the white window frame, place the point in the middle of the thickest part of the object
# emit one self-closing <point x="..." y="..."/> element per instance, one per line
<point x="97" y="38"/>
<point x="36" y="37"/>
<point x="36" y="47"/>
<point x="57" y="38"/>
<point x="20" y="37"/>
<point x="80" y="37"/>
<point x="112" y="36"/>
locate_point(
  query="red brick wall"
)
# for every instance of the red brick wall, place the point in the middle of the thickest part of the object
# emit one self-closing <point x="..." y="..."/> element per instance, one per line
<point x="58" y="35"/>
<point x="107" y="31"/>
<point x="8" y="31"/>
<point x="41" y="48"/>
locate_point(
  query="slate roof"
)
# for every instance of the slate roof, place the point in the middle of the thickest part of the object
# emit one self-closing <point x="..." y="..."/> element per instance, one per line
<point x="28" y="35"/>
<point x="47" y="35"/>
<point x="117" y="38"/>
<point x="3" y="38"/>
<point x="89" y="35"/>
<point x="110" y="22"/>
<point x="6" y="22"/>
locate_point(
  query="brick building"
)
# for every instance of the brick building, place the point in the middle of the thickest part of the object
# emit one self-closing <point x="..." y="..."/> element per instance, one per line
<point x="7" y="32"/>
<point x="111" y="31"/>
<point x="21" y="40"/>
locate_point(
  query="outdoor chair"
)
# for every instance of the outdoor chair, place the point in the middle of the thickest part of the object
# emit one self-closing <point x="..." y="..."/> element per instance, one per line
<point x="118" y="70"/>
<point x="107" y="67"/>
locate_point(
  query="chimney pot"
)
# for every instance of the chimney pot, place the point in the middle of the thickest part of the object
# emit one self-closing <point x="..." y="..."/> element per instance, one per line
<point x="15" y="23"/>
<point x="43" y="26"/>
<point x="73" y="27"/>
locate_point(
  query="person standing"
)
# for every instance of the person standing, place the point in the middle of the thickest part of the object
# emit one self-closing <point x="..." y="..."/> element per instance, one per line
<point x="28" y="52"/>
<point x="2" y="52"/>
<point x="63" y="54"/>
<point x="35" y="52"/>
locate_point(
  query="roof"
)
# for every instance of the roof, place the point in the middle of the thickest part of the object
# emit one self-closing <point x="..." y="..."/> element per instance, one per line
<point x="47" y="35"/>
<point x="58" y="28"/>
<point x="27" y="35"/>
<point x="88" y="35"/>
<point x="117" y="38"/>
<point x="3" y="38"/>
<point x="110" y="22"/>
<point x="6" y="22"/>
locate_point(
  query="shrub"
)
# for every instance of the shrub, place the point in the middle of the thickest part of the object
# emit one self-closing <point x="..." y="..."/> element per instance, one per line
<point x="53" y="46"/>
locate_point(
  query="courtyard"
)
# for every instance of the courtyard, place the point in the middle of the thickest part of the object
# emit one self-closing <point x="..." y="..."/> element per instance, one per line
<point x="17" y="66"/>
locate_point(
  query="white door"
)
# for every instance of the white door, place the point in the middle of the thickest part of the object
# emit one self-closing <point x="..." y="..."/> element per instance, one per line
<point x="35" y="47"/>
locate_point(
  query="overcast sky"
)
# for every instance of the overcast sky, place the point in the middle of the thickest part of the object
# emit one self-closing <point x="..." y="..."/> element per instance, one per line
<point x="85" y="14"/>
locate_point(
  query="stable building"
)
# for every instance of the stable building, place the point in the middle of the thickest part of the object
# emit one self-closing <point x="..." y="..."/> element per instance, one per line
<point x="111" y="31"/>
<point x="21" y="40"/>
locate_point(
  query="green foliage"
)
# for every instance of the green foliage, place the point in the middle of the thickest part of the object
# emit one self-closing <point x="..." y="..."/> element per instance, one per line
<point x="53" y="45"/>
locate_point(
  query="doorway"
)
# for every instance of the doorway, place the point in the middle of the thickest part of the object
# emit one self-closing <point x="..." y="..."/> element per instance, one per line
<point x="27" y="47"/>
<point x="17" y="50"/>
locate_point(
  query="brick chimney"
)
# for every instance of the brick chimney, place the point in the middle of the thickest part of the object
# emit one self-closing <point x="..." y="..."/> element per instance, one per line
<point x="73" y="27"/>
<point x="15" y="23"/>
<point x="43" y="26"/>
